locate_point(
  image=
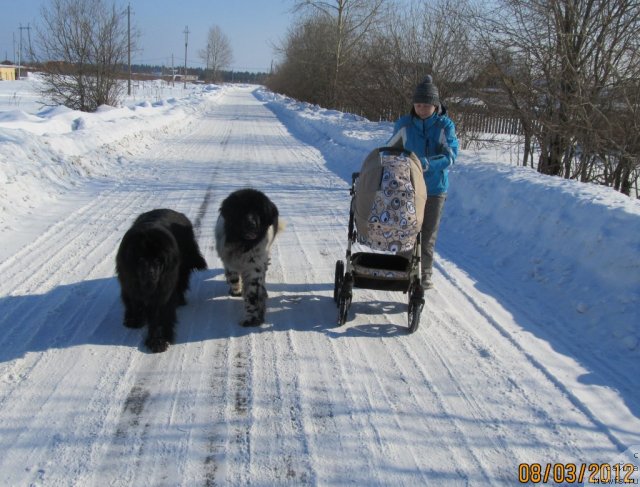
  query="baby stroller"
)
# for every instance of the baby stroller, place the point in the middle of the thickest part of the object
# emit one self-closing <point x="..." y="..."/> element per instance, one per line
<point x="387" y="208"/>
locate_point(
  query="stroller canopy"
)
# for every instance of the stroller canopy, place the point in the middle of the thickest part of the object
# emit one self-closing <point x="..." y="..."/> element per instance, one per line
<point x="388" y="205"/>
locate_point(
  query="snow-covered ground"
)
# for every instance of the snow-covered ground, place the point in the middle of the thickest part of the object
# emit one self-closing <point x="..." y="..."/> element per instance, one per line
<point x="528" y="350"/>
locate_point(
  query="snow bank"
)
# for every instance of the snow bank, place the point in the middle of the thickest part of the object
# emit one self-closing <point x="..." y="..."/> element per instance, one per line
<point x="48" y="151"/>
<point x="577" y="243"/>
<point x="343" y="138"/>
<point x="553" y="219"/>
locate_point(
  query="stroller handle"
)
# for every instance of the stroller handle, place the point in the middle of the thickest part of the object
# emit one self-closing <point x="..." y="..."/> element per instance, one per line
<point x="354" y="178"/>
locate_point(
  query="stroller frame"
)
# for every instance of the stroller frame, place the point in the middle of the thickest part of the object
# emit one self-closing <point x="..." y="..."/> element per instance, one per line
<point x="348" y="273"/>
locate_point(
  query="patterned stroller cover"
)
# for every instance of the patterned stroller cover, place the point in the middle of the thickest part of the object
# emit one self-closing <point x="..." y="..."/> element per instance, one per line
<point x="388" y="205"/>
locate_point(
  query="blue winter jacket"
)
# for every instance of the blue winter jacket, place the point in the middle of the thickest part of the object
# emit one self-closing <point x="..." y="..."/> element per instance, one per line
<point x="435" y="143"/>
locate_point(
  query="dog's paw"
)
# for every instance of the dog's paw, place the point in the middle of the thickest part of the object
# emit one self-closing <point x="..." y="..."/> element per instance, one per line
<point x="253" y="321"/>
<point x="157" y="344"/>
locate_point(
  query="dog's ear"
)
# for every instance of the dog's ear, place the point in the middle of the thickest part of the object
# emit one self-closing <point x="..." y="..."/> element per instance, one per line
<point x="273" y="212"/>
<point x="131" y="248"/>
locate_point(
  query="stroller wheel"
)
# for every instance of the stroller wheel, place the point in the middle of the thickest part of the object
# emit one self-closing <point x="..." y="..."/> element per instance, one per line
<point x="416" y="303"/>
<point x="344" y="299"/>
<point x="343" y="310"/>
<point x="339" y="278"/>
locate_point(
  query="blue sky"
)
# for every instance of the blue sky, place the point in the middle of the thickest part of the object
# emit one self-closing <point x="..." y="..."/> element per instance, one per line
<point x="252" y="27"/>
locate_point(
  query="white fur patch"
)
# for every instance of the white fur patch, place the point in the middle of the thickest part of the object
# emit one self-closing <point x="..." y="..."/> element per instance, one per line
<point x="245" y="270"/>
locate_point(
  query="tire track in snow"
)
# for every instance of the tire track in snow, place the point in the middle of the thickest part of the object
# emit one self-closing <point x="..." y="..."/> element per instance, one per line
<point x="35" y="267"/>
<point x="404" y="399"/>
<point x="202" y="211"/>
<point x="92" y="300"/>
<point x="130" y="437"/>
<point x="238" y="412"/>
<point x="57" y="255"/>
<point x="471" y="359"/>
<point x="136" y="421"/>
<point x="216" y="436"/>
<point x="337" y="434"/>
<point x="281" y="456"/>
<point x="141" y="375"/>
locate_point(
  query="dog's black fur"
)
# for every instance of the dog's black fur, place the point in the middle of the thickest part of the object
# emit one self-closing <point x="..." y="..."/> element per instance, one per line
<point x="246" y="227"/>
<point x="154" y="262"/>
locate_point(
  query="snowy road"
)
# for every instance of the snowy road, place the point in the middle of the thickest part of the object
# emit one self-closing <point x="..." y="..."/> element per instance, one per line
<point x="463" y="401"/>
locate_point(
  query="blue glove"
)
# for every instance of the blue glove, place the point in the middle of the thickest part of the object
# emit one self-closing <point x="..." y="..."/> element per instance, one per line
<point x="440" y="158"/>
<point x="437" y="162"/>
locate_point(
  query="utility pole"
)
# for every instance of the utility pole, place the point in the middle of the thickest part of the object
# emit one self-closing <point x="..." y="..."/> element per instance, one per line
<point x="186" y="42"/>
<point x="30" y="48"/>
<point x="206" y="73"/>
<point x="28" y="29"/>
<point x="129" y="47"/>
<point x="20" y="54"/>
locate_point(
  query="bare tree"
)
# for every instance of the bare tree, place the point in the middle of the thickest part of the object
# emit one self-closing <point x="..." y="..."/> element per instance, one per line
<point x="306" y="59"/>
<point x="372" y="64"/>
<point x="218" y="53"/>
<point x="425" y="38"/>
<point x="83" y="45"/>
<point x="564" y="61"/>
<point x="352" y="21"/>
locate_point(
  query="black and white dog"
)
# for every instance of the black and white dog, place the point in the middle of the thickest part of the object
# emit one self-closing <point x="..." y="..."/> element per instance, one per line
<point x="154" y="263"/>
<point x="246" y="228"/>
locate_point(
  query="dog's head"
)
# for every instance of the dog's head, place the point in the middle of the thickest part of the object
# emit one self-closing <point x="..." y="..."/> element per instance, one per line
<point x="248" y="214"/>
<point x="147" y="255"/>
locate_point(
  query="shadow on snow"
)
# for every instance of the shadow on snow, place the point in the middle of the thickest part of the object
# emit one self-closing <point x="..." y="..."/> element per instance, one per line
<point x="90" y="313"/>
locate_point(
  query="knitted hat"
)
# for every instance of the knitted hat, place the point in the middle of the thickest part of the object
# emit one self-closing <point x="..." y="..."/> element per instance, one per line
<point x="426" y="92"/>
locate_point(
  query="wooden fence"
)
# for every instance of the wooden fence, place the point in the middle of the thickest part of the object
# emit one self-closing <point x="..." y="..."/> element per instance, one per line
<point x="487" y="123"/>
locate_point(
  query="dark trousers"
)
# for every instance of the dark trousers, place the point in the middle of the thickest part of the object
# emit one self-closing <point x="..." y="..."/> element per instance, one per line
<point x="430" y="226"/>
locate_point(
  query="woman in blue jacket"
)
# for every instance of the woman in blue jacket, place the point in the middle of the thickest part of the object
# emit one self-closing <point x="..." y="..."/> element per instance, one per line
<point x="429" y="133"/>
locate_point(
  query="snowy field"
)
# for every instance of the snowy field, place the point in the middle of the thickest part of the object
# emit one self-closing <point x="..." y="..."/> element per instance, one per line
<point x="528" y="350"/>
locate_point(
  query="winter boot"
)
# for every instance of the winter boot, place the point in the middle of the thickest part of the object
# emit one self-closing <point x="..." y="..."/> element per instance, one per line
<point x="426" y="281"/>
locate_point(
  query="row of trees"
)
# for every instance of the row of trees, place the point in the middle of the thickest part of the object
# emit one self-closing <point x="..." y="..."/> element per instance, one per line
<point x="567" y="70"/>
<point x="368" y="55"/>
<point x="150" y="72"/>
<point x="83" y="46"/>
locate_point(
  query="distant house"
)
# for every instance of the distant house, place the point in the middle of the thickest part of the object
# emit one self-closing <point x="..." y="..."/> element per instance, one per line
<point x="190" y="78"/>
<point x="7" y="72"/>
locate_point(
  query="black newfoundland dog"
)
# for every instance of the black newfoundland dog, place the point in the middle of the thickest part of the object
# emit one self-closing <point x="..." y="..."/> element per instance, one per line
<point x="154" y="262"/>
<point x="246" y="227"/>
